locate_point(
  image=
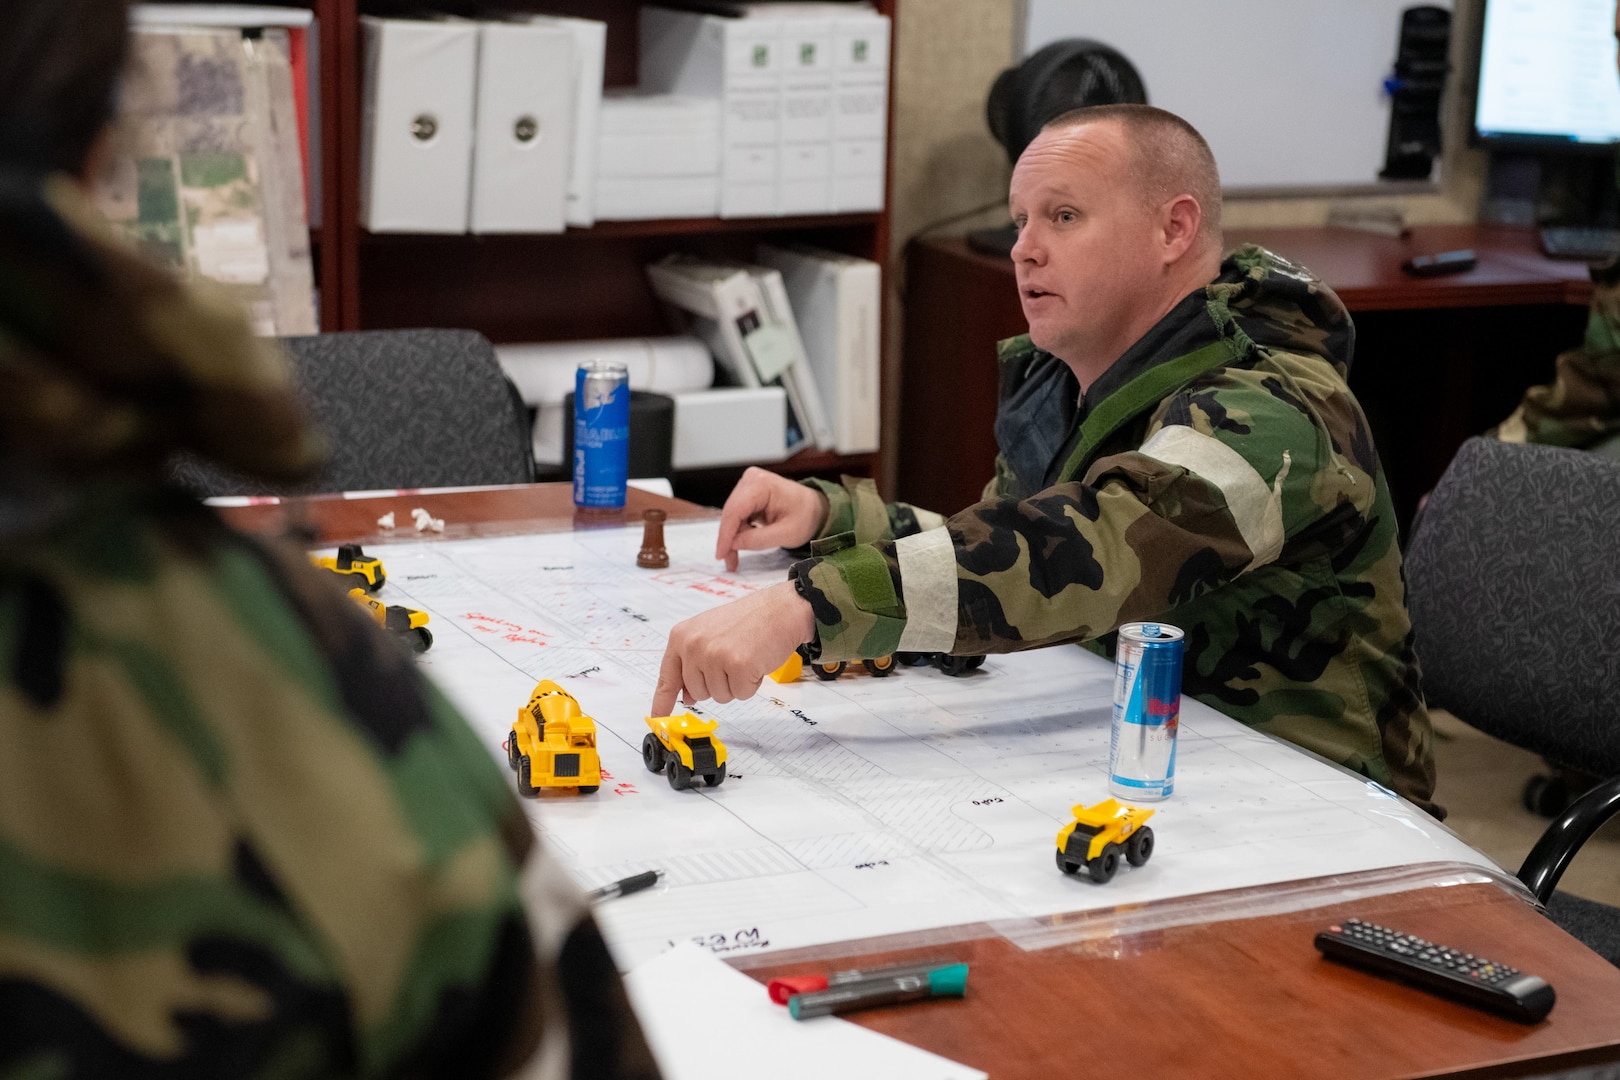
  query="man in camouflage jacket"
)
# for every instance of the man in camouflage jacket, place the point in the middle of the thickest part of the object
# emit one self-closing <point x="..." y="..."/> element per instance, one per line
<point x="1195" y="456"/>
<point x="1580" y="408"/>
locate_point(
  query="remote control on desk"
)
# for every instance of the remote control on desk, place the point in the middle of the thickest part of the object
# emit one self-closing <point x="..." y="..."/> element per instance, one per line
<point x="1445" y="262"/>
<point x="1447" y="972"/>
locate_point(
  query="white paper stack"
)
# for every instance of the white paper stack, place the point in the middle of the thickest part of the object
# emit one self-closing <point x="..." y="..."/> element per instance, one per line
<point x="417" y="124"/>
<point x="524" y="128"/>
<point x="544" y="374"/>
<point x="658" y="156"/>
<point x="738" y="62"/>
<point x="837" y="299"/>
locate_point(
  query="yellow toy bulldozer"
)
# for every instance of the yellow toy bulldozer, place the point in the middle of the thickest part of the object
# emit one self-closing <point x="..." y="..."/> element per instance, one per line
<point x="406" y="624"/>
<point x="682" y="747"/>
<point x="553" y="743"/>
<point x="1099" y="834"/>
<point x="353" y="563"/>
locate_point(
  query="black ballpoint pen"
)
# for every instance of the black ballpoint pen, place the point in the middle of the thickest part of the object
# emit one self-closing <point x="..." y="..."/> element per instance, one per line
<point x="626" y="886"/>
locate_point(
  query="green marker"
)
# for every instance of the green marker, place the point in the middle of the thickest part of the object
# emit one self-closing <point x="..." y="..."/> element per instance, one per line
<point x="948" y="981"/>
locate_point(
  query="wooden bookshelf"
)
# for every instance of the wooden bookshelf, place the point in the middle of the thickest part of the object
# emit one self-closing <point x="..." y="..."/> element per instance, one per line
<point x="583" y="283"/>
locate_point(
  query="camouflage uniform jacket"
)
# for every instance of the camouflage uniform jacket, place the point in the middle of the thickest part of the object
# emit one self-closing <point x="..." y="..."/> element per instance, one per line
<point x="1580" y="408"/>
<point x="1230" y="488"/>
<point x="239" y="835"/>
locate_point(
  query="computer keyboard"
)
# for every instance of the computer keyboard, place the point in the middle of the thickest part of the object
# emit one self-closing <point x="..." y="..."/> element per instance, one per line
<point x="1590" y="243"/>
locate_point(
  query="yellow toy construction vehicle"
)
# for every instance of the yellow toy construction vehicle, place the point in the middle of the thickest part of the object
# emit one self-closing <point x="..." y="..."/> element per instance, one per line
<point x="1099" y="834"/>
<point x="351" y="562"/>
<point x="682" y="747"/>
<point x="828" y="669"/>
<point x="406" y="624"/>
<point x="553" y="743"/>
<point x="880" y="665"/>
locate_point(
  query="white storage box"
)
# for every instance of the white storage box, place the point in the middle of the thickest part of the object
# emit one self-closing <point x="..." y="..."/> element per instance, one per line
<point x="729" y="426"/>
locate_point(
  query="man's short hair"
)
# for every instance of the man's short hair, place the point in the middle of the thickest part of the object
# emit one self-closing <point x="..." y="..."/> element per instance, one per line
<point x="1171" y="158"/>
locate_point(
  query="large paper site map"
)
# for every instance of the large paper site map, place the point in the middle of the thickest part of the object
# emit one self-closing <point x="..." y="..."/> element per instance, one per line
<point x="866" y="805"/>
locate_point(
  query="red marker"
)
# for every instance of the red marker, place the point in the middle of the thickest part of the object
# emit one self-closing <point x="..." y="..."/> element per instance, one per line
<point x="788" y="985"/>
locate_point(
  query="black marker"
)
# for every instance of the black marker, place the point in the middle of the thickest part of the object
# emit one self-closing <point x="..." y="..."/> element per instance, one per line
<point x="864" y="994"/>
<point x="626" y="886"/>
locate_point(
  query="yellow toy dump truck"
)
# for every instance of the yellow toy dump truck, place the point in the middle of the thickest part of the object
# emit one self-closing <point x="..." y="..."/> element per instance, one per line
<point x="406" y="624"/>
<point x="1099" y="834"/>
<point x="682" y="747"/>
<point x="553" y="743"/>
<point x="353" y="563"/>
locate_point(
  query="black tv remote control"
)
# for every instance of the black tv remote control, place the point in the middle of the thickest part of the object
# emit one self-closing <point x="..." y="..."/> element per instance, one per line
<point x="1447" y="972"/>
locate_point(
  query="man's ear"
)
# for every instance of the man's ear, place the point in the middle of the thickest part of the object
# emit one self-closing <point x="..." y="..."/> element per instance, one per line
<point x="1179" y="223"/>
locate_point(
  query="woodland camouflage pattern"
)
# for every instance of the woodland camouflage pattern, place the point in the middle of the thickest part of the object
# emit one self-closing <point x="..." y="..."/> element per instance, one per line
<point x="239" y="835"/>
<point x="1581" y="406"/>
<point x="1246" y="507"/>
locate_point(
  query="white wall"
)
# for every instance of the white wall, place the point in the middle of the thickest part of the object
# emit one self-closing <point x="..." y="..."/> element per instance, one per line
<point x="1289" y="93"/>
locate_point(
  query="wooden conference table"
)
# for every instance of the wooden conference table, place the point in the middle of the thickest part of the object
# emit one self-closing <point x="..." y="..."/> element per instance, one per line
<point x="1122" y="993"/>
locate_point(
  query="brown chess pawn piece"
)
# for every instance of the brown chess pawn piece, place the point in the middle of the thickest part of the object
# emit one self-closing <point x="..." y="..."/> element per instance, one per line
<point x="652" y="555"/>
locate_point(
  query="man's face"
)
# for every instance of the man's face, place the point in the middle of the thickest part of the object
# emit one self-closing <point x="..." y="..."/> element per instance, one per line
<point x="1085" y="256"/>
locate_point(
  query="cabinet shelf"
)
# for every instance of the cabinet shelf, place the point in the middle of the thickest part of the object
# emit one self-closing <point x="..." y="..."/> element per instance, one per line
<point x="662" y="227"/>
<point x="582" y="283"/>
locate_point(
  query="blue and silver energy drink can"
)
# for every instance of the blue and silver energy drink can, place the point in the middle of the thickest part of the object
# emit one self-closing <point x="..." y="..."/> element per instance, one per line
<point x="1147" y="711"/>
<point x="601" y="433"/>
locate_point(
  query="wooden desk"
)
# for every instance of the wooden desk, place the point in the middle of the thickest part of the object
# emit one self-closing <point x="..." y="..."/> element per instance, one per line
<point x="511" y="510"/>
<point x="1248" y="997"/>
<point x="1252" y="999"/>
<point x="1437" y="359"/>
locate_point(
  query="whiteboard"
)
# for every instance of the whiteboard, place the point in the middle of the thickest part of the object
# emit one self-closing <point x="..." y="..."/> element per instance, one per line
<point x="1289" y="93"/>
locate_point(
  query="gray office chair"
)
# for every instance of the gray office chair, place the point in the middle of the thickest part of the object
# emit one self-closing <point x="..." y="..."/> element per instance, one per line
<point x="403" y="409"/>
<point x="1513" y="581"/>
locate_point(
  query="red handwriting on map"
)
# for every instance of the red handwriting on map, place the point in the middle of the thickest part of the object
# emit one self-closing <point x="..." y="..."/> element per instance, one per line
<point x="505" y="629"/>
<point x="708" y="584"/>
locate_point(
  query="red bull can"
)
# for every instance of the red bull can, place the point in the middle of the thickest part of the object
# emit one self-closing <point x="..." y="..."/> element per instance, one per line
<point x="1147" y="711"/>
<point x="601" y="433"/>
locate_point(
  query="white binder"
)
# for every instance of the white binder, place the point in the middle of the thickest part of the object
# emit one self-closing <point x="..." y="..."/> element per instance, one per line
<point x="722" y="304"/>
<point x="524" y="132"/>
<point x="860" y="111"/>
<point x="737" y="60"/>
<point x="804" y="397"/>
<point x="836" y="298"/>
<point x="590" y="58"/>
<point x="808" y="37"/>
<point x="417" y="125"/>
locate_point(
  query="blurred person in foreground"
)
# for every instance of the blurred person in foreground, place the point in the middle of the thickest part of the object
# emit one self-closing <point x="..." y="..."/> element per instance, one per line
<point x="239" y="835"/>
<point x="1178" y="443"/>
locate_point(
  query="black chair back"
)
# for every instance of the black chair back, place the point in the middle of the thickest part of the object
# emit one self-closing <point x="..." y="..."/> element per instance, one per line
<point x="403" y="409"/>
<point x="1513" y="583"/>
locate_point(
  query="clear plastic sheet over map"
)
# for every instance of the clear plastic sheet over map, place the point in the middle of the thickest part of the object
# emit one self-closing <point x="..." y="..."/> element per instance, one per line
<point x="872" y="807"/>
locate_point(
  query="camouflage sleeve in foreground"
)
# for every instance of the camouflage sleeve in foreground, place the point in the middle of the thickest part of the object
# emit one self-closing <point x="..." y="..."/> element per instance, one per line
<point x="242" y="837"/>
<point x="1249" y="511"/>
<point x="1581" y="406"/>
<point x="856" y="513"/>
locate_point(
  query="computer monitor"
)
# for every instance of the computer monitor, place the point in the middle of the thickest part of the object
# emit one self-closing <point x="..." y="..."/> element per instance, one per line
<point x="1547" y="79"/>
